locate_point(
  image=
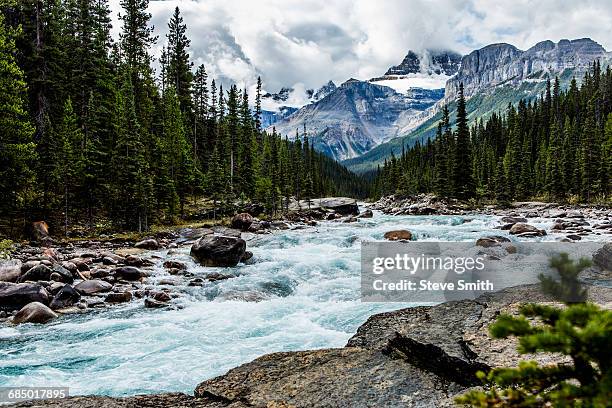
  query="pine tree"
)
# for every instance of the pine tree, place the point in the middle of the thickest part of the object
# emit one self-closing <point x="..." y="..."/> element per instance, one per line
<point x="554" y="165"/>
<point x="582" y="333"/>
<point x="463" y="178"/>
<point x="17" y="150"/>
<point x="131" y="185"/>
<point x="589" y="157"/>
<point x="69" y="160"/>
<point x="179" y="66"/>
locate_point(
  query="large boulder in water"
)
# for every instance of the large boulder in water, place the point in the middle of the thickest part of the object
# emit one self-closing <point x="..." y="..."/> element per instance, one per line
<point x="14" y="296"/>
<point x="34" y="312"/>
<point x="398" y="235"/>
<point x="242" y="221"/>
<point x="218" y="250"/>
<point x="340" y="205"/>
<point x="523" y="229"/>
<point x="147" y="244"/>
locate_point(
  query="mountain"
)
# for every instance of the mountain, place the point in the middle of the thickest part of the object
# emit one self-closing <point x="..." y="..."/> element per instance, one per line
<point x="350" y="120"/>
<point x="493" y="77"/>
<point x="280" y="105"/>
<point x="437" y="62"/>
<point x="268" y="118"/>
<point x="357" y="116"/>
<point x="504" y="64"/>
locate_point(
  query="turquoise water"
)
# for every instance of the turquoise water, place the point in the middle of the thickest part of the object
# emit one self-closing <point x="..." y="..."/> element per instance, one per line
<point x="307" y="282"/>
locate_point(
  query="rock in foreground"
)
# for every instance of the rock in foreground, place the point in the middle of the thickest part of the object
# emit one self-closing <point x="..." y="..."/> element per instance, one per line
<point x="420" y="357"/>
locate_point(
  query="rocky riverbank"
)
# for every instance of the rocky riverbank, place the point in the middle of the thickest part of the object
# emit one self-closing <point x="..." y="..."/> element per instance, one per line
<point x="48" y="278"/>
<point x="421" y="357"/>
<point x="571" y="222"/>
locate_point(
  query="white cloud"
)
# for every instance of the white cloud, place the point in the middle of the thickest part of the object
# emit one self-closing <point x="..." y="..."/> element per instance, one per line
<point x="305" y="43"/>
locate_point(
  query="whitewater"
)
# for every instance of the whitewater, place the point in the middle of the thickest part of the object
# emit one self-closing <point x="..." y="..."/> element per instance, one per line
<point x="302" y="292"/>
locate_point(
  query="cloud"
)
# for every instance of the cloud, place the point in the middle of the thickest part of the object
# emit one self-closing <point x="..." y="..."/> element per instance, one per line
<point x="305" y="43"/>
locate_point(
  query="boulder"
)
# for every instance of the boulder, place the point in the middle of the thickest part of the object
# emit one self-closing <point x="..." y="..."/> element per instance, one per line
<point x="216" y="276"/>
<point x="242" y="221"/>
<point x="154" y="304"/>
<point x="10" y="270"/>
<point x="91" y="287"/>
<point x="118" y="297"/>
<point x="34" y="312"/>
<point x="340" y="205"/>
<point x="160" y="296"/>
<point x="218" y="250"/>
<point x="171" y="264"/>
<point x="65" y="297"/>
<point x="247" y="255"/>
<point x="128" y="273"/>
<point x="603" y="257"/>
<point x="491" y="241"/>
<point x="65" y="274"/>
<point x="147" y="244"/>
<point x="133" y="260"/>
<point x="14" y="296"/>
<point x="513" y="220"/>
<point x="526" y="230"/>
<point x="99" y="273"/>
<point x="366" y="214"/>
<point x="398" y="235"/>
<point x="38" y="273"/>
<point x="26" y="266"/>
<point x="71" y="266"/>
<point x="81" y="264"/>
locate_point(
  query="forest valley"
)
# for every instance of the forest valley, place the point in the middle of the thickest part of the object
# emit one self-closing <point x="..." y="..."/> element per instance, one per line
<point x="87" y="130"/>
<point x="557" y="147"/>
<point x="90" y="133"/>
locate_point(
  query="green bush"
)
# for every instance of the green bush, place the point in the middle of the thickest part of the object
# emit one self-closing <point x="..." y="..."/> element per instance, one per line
<point x="582" y="332"/>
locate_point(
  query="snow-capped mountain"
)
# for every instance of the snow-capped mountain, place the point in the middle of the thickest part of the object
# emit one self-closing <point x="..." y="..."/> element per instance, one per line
<point x="357" y="116"/>
<point x="280" y="105"/>
<point x="493" y="77"/>
<point x="429" y="70"/>
<point x="351" y="119"/>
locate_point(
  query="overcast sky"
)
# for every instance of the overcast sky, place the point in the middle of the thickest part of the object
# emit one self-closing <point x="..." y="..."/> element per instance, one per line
<point x="305" y="43"/>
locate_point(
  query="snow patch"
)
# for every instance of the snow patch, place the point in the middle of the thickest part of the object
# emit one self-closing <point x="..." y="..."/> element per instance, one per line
<point x="402" y="84"/>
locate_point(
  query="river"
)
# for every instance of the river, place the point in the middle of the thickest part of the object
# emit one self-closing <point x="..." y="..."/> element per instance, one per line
<point x="306" y="281"/>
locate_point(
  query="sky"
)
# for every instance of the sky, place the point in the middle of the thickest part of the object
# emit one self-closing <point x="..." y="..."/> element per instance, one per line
<point x="305" y="43"/>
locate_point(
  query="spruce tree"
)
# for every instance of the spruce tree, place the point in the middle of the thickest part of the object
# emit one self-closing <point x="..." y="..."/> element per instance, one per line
<point x="463" y="178"/>
<point x="179" y="66"/>
<point x="17" y="149"/>
<point x="131" y="185"/>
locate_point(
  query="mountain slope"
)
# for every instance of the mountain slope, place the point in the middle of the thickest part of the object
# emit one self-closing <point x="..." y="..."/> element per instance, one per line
<point x="357" y="116"/>
<point x="493" y="77"/>
<point x="350" y="120"/>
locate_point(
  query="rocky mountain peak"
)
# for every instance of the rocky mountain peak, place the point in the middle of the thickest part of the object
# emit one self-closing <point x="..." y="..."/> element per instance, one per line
<point x="282" y="95"/>
<point x="325" y="90"/>
<point x="498" y="64"/>
<point x="429" y="62"/>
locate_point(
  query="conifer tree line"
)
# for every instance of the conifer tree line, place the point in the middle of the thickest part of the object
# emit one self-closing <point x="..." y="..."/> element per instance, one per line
<point x="89" y="129"/>
<point x="555" y="147"/>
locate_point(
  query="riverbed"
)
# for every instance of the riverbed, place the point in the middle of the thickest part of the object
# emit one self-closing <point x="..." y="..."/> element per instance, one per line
<point x="302" y="291"/>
